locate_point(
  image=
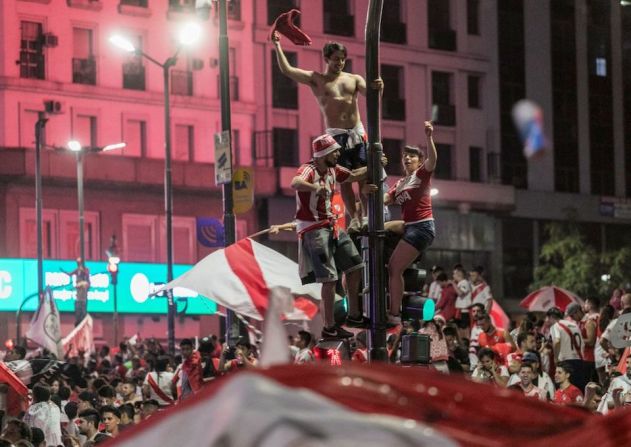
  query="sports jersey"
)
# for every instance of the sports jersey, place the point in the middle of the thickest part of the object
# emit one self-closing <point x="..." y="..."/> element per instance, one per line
<point x="570" y="395"/>
<point x="434" y="290"/>
<point x="305" y="355"/>
<point x="588" y="351"/>
<point x="412" y="193"/>
<point x="481" y="293"/>
<point x="464" y="301"/>
<point x="310" y="207"/>
<point x="535" y="392"/>
<point x="567" y="333"/>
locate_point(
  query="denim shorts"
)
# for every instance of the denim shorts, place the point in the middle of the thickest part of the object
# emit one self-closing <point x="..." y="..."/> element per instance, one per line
<point x="420" y="235"/>
<point x="351" y="157"/>
<point x="328" y="255"/>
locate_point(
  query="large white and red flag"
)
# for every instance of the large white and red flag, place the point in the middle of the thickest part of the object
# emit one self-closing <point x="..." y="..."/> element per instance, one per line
<point x="241" y="276"/>
<point x="45" y="327"/>
<point x="80" y="339"/>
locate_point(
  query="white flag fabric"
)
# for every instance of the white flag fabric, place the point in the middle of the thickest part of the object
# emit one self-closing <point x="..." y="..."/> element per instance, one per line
<point x="275" y="349"/>
<point x="80" y="339"/>
<point x="241" y="276"/>
<point x="45" y="327"/>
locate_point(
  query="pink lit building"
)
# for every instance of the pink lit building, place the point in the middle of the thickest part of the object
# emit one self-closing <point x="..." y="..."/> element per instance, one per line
<point x="453" y="61"/>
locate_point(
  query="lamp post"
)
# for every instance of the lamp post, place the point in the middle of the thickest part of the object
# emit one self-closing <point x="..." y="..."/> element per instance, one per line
<point x="188" y="35"/>
<point x="112" y="267"/>
<point x="39" y="143"/>
<point x="75" y="146"/>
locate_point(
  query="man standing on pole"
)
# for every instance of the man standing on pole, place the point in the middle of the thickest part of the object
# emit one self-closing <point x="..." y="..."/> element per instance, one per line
<point x="336" y="92"/>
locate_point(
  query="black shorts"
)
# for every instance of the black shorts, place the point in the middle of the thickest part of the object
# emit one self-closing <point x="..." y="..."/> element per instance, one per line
<point x="463" y="321"/>
<point x="351" y="157"/>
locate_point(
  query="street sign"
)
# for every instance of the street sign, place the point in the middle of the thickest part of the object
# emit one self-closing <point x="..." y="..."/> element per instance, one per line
<point x="243" y="190"/>
<point x="210" y="232"/>
<point x="223" y="158"/>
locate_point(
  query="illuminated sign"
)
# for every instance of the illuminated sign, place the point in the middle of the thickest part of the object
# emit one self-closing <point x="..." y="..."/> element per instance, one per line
<point x="136" y="282"/>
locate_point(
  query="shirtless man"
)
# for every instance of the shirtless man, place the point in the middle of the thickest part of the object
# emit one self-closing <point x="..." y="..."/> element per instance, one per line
<point x="336" y="92"/>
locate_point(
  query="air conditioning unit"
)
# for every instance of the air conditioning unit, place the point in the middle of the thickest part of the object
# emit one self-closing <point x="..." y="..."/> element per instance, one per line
<point x="50" y="40"/>
<point x="197" y="64"/>
<point x="53" y="107"/>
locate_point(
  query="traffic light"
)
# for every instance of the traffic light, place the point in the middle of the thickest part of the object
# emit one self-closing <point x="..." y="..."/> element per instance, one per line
<point x="112" y="268"/>
<point x="418" y="307"/>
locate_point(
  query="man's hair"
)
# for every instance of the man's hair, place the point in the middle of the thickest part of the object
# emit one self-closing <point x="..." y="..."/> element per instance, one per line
<point x="442" y="276"/>
<point x="526" y="365"/>
<point x="162" y="362"/>
<point x="486" y="352"/>
<point x="186" y="342"/>
<point x="41" y="393"/>
<point x="129" y="381"/>
<point x="37" y="436"/>
<point x="127" y="409"/>
<point x="23" y="428"/>
<point x="110" y="409"/>
<point x="64" y="392"/>
<point x="151" y="402"/>
<point x="554" y="312"/>
<point x="414" y="150"/>
<point x="87" y="396"/>
<point x="594" y="300"/>
<point x="478" y="269"/>
<point x="459" y="268"/>
<point x="305" y="336"/>
<point x="480" y="306"/>
<point x="522" y="337"/>
<point x="92" y="416"/>
<point x="20" y="351"/>
<point x="566" y="367"/>
<point x="107" y="392"/>
<point x="331" y="47"/>
<point x="450" y="330"/>
<point x="71" y="409"/>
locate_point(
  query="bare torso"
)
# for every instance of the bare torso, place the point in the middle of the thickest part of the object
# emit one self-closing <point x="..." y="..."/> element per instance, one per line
<point x="337" y="97"/>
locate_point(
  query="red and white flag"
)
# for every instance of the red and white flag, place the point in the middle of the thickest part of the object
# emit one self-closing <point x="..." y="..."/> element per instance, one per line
<point x="241" y="276"/>
<point x="45" y="327"/>
<point x="80" y="339"/>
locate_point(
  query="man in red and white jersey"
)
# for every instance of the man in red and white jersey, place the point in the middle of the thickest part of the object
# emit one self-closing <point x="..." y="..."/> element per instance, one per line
<point x="527" y="376"/>
<point x="480" y="290"/>
<point x="567" y="393"/>
<point x="304" y="354"/>
<point x="324" y="248"/>
<point x="567" y="341"/>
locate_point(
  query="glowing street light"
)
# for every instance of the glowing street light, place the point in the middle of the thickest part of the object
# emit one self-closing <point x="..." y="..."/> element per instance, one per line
<point x="433" y="192"/>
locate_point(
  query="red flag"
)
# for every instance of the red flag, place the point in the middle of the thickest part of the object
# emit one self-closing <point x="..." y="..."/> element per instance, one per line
<point x="284" y="25"/>
<point x="17" y="395"/>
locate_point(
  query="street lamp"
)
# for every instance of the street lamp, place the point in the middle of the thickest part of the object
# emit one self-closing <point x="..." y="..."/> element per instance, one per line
<point x="79" y="150"/>
<point x="188" y="35"/>
<point x="112" y="267"/>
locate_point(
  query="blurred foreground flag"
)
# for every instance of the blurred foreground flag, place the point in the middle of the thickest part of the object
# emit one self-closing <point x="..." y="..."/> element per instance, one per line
<point x="528" y="118"/>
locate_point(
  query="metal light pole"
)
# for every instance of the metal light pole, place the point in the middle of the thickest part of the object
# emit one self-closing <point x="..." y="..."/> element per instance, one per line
<point x="186" y="38"/>
<point x="232" y="324"/>
<point x="39" y="143"/>
<point x="375" y="201"/>
<point x="113" y="261"/>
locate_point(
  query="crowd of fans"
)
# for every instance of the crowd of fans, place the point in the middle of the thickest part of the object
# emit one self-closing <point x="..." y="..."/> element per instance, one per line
<point x="564" y="358"/>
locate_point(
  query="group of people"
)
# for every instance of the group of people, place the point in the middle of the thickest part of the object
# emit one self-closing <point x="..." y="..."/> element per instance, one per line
<point x="340" y="156"/>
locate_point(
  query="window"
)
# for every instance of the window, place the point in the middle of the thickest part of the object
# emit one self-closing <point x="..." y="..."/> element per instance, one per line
<point x="475" y="164"/>
<point x="393" y="103"/>
<point x="182" y="82"/>
<point x="473" y="17"/>
<point x="141" y="3"/>
<point x="285" y="144"/>
<point x="28" y="233"/>
<point x="277" y="7"/>
<point x="443" y="162"/>
<point x="392" y="150"/>
<point x="443" y="111"/>
<point x="338" y="19"/>
<point x="284" y="90"/>
<point x="83" y="61"/>
<point x="133" y="69"/>
<point x="393" y="29"/>
<point x="234" y="10"/>
<point x="85" y="130"/>
<point x="136" y="138"/>
<point x="31" y="50"/>
<point x="140" y="237"/>
<point x="441" y="36"/>
<point x="182" y="5"/>
<point x="184" y="142"/>
<point x="69" y="247"/>
<point x="473" y="91"/>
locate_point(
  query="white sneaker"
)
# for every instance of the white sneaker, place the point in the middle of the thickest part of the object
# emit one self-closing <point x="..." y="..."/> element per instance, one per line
<point x="354" y="226"/>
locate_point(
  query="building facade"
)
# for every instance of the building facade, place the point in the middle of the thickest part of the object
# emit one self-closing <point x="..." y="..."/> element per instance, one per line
<point x="462" y="64"/>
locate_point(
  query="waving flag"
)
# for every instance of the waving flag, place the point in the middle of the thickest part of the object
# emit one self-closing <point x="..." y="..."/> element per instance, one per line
<point x="241" y="276"/>
<point x="80" y="339"/>
<point x="45" y="327"/>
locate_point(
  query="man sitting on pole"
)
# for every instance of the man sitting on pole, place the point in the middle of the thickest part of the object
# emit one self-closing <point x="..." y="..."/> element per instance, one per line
<point x="336" y="92"/>
<point x="323" y="248"/>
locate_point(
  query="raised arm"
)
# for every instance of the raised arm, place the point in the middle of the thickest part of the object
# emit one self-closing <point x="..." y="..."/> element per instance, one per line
<point x="377" y="84"/>
<point x="296" y="74"/>
<point x="430" y="163"/>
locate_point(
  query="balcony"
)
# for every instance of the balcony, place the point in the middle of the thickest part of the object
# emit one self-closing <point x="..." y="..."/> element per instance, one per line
<point x="84" y="71"/>
<point x="394" y="32"/>
<point x="32" y="65"/>
<point x="393" y="109"/>
<point x="340" y="25"/>
<point x="444" y="114"/>
<point x="134" y="76"/>
<point x="182" y="82"/>
<point x="444" y="39"/>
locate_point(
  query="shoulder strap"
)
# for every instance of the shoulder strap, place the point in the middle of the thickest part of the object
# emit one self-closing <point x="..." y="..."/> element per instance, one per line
<point x="156" y="388"/>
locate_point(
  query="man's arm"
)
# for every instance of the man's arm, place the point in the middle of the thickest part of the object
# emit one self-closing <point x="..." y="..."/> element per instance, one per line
<point x="430" y="163"/>
<point x="300" y="184"/>
<point x="377" y="84"/>
<point x="296" y="74"/>
<point x="357" y="175"/>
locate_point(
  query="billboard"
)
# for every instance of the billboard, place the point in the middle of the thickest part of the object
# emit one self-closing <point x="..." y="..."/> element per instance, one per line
<point x="136" y="281"/>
